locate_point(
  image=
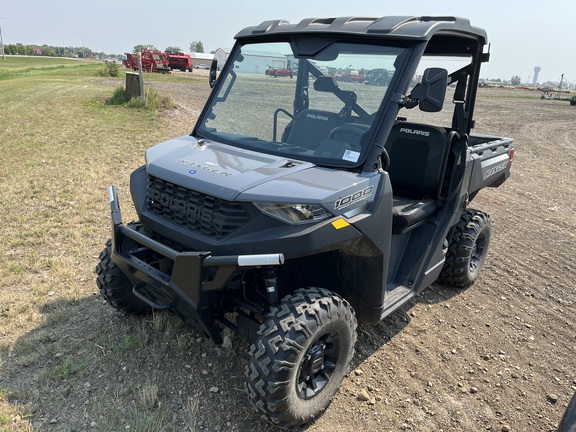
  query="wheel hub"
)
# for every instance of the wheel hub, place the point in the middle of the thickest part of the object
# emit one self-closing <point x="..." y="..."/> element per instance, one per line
<point x="315" y="359"/>
<point x="318" y="365"/>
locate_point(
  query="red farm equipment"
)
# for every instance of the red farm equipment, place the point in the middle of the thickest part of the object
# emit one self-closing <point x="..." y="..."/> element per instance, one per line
<point x="152" y="61"/>
<point x="279" y="72"/>
<point x="179" y="61"/>
<point x="350" y="76"/>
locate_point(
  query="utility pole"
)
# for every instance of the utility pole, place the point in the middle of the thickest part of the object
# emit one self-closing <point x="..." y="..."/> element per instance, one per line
<point x="83" y="50"/>
<point x="2" y="42"/>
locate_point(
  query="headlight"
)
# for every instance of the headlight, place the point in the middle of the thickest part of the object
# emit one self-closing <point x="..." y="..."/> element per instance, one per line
<point x="294" y="213"/>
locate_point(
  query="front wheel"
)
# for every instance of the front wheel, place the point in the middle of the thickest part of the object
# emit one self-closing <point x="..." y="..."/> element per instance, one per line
<point x="114" y="286"/>
<point x="300" y="358"/>
<point x="467" y="249"/>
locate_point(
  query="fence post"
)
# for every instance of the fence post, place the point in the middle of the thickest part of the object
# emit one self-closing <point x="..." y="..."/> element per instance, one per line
<point x="142" y="94"/>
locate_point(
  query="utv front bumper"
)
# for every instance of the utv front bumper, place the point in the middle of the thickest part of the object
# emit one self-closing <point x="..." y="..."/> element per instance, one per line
<point x="186" y="288"/>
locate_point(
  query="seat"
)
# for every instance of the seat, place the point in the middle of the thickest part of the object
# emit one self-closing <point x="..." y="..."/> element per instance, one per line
<point x="311" y="127"/>
<point x="408" y="213"/>
<point x="417" y="161"/>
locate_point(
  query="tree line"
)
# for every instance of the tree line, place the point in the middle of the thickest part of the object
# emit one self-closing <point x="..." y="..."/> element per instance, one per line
<point x="53" y="51"/>
<point x="81" y="52"/>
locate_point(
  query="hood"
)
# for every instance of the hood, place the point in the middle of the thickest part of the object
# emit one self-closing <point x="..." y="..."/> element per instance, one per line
<point x="232" y="173"/>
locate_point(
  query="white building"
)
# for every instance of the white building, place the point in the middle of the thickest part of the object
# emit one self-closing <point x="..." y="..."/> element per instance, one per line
<point x="221" y="55"/>
<point x="201" y="58"/>
<point x="256" y="62"/>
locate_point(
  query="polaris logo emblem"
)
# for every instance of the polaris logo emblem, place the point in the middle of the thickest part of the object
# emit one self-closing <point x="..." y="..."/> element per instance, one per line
<point x="353" y="198"/>
<point x="204" y="167"/>
<point x="415" y="132"/>
<point x="317" y="117"/>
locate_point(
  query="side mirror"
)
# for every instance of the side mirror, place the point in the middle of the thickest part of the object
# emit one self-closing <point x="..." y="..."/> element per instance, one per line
<point x="431" y="91"/>
<point x="212" y="76"/>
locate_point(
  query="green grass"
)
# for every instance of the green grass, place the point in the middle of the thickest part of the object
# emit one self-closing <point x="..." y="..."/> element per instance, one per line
<point x="18" y="67"/>
<point x="65" y="355"/>
<point x="62" y="145"/>
<point x="21" y="62"/>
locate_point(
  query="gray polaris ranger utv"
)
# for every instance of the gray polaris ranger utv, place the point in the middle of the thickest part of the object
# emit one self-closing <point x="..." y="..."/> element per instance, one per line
<point x="300" y="204"/>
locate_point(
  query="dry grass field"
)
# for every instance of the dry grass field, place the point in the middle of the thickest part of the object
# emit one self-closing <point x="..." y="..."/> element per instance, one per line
<point x="498" y="356"/>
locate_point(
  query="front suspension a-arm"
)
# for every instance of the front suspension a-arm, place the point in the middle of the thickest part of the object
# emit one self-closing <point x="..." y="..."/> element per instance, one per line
<point x="185" y="286"/>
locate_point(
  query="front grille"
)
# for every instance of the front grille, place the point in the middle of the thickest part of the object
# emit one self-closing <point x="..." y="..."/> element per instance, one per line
<point x="208" y="215"/>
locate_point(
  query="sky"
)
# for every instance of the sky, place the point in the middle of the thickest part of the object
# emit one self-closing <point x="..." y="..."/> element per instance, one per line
<point x="522" y="34"/>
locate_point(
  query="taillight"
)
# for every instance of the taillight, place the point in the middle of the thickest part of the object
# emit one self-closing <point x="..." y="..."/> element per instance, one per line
<point x="512" y="150"/>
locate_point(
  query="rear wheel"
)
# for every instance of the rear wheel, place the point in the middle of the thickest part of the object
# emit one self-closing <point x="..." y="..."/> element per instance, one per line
<point x="115" y="287"/>
<point x="301" y="356"/>
<point x="467" y="249"/>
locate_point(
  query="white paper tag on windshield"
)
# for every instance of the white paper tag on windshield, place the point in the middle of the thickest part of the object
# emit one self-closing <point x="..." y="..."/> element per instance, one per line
<point x="351" y="156"/>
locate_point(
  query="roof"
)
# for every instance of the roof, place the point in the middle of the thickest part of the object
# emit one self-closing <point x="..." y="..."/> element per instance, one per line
<point x="201" y="56"/>
<point x="395" y="27"/>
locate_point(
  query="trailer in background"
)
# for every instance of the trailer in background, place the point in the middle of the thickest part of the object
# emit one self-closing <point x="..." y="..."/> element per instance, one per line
<point x="152" y="61"/>
<point x="179" y="61"/>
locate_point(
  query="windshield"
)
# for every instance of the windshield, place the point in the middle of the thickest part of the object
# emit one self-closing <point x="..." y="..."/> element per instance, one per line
<point x="319" y="108"/>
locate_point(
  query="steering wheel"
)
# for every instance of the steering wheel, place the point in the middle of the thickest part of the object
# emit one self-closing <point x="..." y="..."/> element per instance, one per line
<point x="357" y="132"/>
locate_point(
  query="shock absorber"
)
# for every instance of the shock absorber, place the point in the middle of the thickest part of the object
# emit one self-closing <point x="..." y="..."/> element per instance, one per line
<point x="270" y="281"/>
